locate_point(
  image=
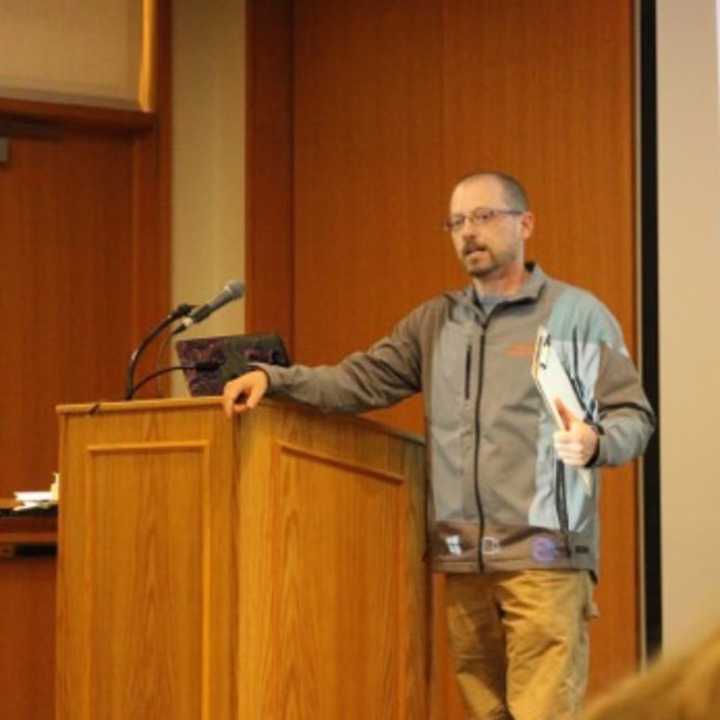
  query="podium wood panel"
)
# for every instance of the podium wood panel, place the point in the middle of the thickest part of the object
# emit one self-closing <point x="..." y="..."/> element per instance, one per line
<point x="266" y="568"/>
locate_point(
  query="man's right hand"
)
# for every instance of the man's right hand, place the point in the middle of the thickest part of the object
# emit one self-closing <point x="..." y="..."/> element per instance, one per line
<point x="245" y="392"/>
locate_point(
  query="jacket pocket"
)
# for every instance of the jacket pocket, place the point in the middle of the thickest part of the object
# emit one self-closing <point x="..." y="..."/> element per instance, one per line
<point x="451" y="381"/>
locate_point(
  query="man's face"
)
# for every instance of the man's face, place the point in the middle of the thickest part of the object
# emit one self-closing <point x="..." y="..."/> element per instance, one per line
<point x="488" y="248"/>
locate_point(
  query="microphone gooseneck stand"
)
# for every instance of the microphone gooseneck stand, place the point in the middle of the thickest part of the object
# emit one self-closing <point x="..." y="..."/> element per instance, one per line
<point x="180" y="311"/>
<point x="201" y="366"/>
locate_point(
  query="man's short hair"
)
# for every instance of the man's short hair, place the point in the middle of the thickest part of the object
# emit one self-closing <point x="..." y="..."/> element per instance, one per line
<point x="513" y="191"/>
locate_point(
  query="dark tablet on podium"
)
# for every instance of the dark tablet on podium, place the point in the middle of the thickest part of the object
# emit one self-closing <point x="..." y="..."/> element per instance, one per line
<point x="233" y="353"/>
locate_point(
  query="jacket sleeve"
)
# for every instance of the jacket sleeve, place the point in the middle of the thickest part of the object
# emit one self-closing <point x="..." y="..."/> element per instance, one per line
<point x="625" y="418"/>
<point x="382" y="376"/>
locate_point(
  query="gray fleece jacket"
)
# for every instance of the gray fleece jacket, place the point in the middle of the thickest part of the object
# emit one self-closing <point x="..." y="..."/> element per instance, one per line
<point x="498" y="498"/>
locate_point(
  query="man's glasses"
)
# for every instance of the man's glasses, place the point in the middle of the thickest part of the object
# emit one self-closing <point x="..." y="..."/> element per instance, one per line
<point x="478" y="216"/>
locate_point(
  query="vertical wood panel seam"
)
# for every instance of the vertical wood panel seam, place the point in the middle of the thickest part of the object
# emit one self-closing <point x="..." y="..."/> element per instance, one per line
<point x="206" y="574"/>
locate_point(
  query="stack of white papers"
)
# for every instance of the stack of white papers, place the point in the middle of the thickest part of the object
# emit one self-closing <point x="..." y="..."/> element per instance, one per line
<point x="34" y="499"/>
<point x="554" y="384"/>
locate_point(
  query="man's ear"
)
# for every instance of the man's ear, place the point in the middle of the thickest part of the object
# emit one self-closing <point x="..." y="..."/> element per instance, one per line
<point x="527" y="221"/>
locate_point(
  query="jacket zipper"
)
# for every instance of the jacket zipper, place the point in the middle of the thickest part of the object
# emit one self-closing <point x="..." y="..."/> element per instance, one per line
<point x="561" y="489"/>
<point x="561" y="504"/>
<point x="476" y="474"/>
<point x="468" y="363"/>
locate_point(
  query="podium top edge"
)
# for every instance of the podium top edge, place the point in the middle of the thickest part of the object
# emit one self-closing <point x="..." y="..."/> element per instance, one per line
<point x="91" y="408"/>
<point x="110" y="406"/>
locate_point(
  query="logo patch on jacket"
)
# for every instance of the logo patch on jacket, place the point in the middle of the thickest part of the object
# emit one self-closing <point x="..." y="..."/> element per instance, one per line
<point x="520" y="350"/>
<point x="544" y="549"/>
<point x="490" y="545"/>
<point x="454" y="544"/>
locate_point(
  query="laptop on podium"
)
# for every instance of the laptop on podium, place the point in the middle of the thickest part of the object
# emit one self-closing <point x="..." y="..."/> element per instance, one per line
<point x="208" y="363"/>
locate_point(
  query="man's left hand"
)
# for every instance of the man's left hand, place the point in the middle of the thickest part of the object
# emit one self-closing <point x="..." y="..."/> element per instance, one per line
<point x="577" y="443"/>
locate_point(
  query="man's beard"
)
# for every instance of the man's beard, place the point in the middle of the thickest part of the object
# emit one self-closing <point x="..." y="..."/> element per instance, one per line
<point x="484" y="271"/>
<point x="487" y="267"/>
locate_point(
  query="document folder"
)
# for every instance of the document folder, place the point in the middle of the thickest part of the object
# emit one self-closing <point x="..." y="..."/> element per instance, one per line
<point x="554" y="384"/>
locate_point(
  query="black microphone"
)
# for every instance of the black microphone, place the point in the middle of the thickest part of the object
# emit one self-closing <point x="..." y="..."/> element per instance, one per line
<point x="234" y="290"/>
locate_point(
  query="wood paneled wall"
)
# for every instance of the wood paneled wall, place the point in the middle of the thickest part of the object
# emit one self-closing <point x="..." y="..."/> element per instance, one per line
<point x="85" y="234"/>
<point x="391" y="103"/>
<point x="269" y="206"/>
<point x="84" y="223"/>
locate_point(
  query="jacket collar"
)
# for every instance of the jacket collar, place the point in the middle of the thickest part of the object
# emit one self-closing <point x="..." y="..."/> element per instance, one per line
<point x="530" y="290"/>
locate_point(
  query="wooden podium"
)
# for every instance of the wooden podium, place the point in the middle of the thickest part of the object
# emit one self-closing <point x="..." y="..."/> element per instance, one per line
<point x="265" y="568"/>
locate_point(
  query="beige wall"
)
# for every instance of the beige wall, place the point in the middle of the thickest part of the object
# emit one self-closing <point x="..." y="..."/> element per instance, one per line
<point x="689" y="259"/>
<point x="208" y="158"/>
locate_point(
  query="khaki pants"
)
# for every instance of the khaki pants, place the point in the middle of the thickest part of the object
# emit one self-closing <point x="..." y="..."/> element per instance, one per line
<point x="520" y="641"/>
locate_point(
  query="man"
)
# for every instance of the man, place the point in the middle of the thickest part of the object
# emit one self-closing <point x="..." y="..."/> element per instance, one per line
<point x="511" y="522"/>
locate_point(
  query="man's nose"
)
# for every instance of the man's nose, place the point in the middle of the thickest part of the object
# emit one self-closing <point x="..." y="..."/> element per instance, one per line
<point x="468" y="230"/>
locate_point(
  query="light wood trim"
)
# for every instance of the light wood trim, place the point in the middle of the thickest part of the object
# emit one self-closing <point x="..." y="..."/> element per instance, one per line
<point x="148" y="62"/>
<point x="134" y="406"/>
<point x="137" y="405"/>
<point x="207" y="586"/>
<point x="189" y="446"/>
<point x="341" y="464"/>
